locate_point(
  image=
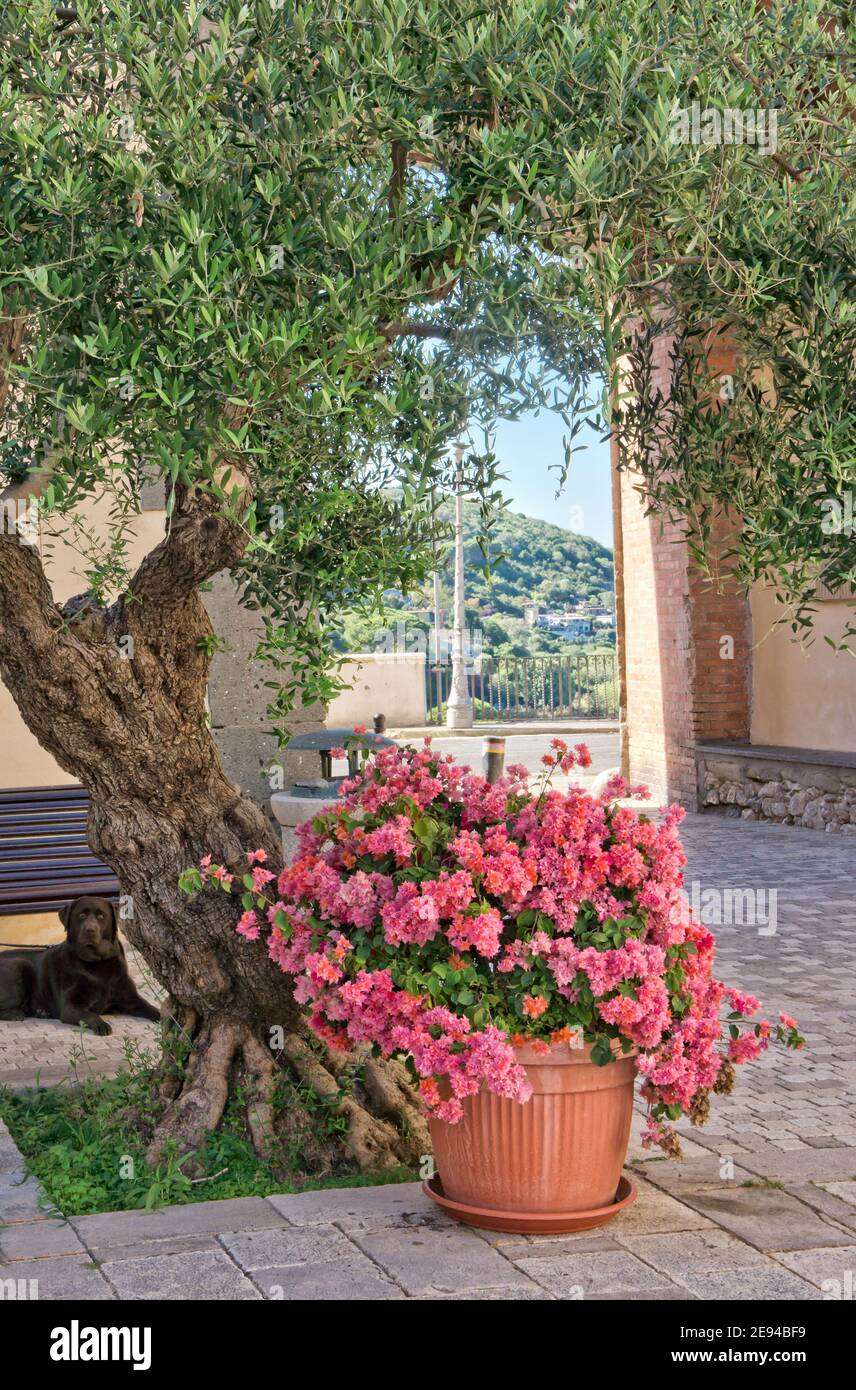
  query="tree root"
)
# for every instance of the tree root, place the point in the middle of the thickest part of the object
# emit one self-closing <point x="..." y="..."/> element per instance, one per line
<point x="185" y="1022"/>
<point x="199" y="1107"/>
<point x="384" y="1126"/>
<point x="373" y="1141"/>
<point x="392" y="1094"/>
<point x="260" y="1113"/>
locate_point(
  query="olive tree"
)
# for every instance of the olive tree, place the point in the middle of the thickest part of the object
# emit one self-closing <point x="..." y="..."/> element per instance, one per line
<point x="275" y="255"/>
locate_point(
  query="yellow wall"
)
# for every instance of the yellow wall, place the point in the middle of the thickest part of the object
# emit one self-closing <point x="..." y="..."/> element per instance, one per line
<point x="802" y="697"/>
<point x="22" y="762"/>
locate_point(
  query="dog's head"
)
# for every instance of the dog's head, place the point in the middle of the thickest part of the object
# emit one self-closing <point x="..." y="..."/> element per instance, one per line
<point x="91" y="928"/>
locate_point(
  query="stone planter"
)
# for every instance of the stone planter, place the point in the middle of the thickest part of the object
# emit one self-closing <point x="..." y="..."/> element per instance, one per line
<point x="291" y="811"/>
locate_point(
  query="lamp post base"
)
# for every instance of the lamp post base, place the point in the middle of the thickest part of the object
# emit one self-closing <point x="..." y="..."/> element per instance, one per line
<point x="459" y="716"/>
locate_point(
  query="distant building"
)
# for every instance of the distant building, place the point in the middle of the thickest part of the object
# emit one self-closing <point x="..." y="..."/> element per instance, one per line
<point x="530" y="614"/>
<point x="574" y="628"/>
<point x="571" y="625"/>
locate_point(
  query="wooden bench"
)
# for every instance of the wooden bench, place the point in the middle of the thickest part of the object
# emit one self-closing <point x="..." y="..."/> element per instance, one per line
<point x="45" y="860"/>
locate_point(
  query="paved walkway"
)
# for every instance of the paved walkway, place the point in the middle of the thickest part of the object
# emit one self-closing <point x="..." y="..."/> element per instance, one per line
<point x="763" y="1207"/>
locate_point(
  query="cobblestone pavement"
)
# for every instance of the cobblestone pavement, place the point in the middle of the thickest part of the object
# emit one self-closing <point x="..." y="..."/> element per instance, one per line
<point x="797" y="956"/>
<point x="764" y="1205"/>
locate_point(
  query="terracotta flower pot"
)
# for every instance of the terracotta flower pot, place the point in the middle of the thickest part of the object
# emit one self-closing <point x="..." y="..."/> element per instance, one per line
<point x="551" y="1164"/>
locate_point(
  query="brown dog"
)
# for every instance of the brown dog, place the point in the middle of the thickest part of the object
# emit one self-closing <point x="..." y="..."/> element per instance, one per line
<point x="77" y="981"/>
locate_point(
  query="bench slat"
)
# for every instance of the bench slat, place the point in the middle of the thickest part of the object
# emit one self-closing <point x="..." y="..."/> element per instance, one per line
<point x="39" y="824"/>
<point x="37" y="874"/>
<point x="43" y="793"/>
<point x="45" y="860"/>
<point x="47" y="844"/>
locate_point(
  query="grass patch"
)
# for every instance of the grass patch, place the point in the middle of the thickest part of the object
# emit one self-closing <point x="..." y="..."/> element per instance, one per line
<point x="86" y="1143"/>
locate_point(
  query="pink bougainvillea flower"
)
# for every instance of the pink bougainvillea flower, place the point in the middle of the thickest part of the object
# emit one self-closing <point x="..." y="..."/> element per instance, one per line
<point x="249" y="926"/>
<point x="433" y="916"/>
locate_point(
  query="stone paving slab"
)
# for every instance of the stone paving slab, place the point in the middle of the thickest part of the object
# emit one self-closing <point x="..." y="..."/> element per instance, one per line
<point x="38" y="1240"/>
<point x="768" y="1283"/>
<point x="697" y="1252"/>
<point x="511" y="1293"/>
<point x="428" y="1262"/>
<point x="207" y="1275"/>
<point x="139" y="1249"/>
<point x="656" y="1211"/>
<point x="67" y="1278"/>
<point x="593" y="1273"/>
<point x="206" y="1218"/>
<point x="19" y="1198"/>
<point x="826" y="1203"/>
<point x="363" y="1208"/>
<point x="535" y="1247"/>
<point x="817" y="1164"/>
<point x="692" y="1173"/>
<point x="352" y="1277"/>
<point x="845" y="1190"/>
<point x="287" y="1246"/>
<point x="766" y="1218"/>
<point x="10" y="1155"/>
<point x="826" y="1268"/>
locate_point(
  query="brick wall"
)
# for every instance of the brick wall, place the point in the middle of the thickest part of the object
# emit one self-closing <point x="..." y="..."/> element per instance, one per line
<point x="682" y="682"/>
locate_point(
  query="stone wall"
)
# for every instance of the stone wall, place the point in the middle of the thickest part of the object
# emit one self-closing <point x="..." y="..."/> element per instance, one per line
<point x="390" y="683"/>
<point x="791" y="787"/>
<point x="238" y="700"/>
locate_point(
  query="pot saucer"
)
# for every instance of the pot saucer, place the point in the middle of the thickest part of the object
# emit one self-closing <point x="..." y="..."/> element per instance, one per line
<point x="533" y="1222"/>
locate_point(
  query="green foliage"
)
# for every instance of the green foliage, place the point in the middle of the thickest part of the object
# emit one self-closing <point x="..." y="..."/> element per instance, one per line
<point x="303" y="244"/>
<point x="86" y="1145"/>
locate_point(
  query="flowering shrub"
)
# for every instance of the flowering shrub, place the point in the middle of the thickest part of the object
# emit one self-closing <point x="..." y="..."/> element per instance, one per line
<point x="433" y="915"/>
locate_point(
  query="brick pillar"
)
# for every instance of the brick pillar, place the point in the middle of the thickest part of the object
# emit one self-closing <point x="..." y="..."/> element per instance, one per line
<point x="684" y="642"/>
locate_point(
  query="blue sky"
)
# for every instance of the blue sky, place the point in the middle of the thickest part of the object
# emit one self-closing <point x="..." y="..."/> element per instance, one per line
<point x="527" y="448"/>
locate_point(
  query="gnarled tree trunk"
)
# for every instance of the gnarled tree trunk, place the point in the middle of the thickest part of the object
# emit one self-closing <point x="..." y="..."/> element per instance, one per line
<point x="117" y="695"/>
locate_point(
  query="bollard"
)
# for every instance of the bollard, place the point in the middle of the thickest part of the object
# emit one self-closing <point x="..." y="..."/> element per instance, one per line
<point x="493" y="757"/>
<point x="379" y="722"/>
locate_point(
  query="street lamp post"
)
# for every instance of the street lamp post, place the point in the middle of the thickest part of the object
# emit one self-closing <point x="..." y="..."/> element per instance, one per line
<point x="437" y="617"/>
<point x="459" y="710"/>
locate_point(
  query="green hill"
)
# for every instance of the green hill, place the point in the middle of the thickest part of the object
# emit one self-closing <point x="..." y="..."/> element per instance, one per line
<point x="540" y="562"/>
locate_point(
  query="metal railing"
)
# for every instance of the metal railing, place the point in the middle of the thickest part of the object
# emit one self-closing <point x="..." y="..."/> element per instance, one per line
<point x="573" y="685"/>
